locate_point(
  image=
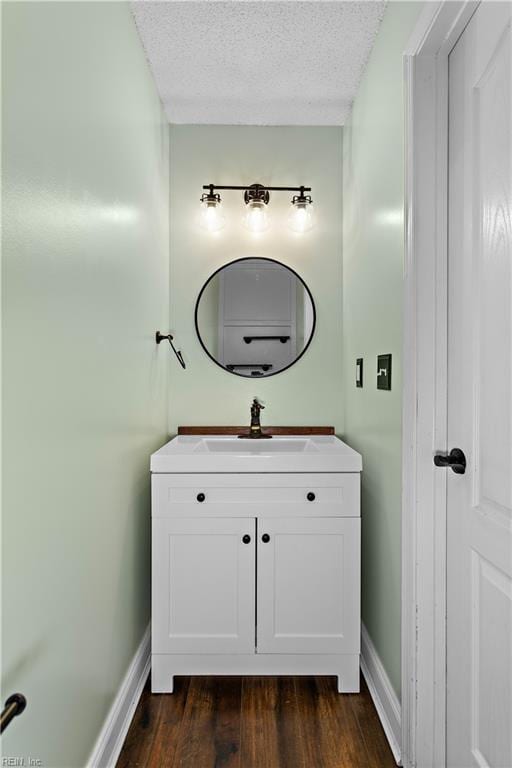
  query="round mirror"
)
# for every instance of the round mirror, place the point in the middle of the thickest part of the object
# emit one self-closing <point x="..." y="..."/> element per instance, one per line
<point x="255" y="317"/>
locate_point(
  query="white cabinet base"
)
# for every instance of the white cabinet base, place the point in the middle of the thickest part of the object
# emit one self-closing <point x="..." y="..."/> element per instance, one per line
<point x="165" y="666"/>
<point x="256" y="574"/>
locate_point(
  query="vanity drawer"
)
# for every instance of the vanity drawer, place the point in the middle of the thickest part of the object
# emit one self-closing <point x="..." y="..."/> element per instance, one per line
<point x="251" y="495"/>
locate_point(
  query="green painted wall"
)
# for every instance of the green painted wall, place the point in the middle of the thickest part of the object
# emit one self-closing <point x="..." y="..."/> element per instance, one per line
<point x="85" y="286"/>
<point x="373" y="248"/>
<point x="309" y="392"/>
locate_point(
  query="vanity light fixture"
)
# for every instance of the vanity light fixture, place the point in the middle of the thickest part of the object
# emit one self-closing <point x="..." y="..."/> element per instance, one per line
<point x="256" y="217"/>
<point x="256" y="198"/>
<point x="301" y="216"/>
<point x="212" y="218"/>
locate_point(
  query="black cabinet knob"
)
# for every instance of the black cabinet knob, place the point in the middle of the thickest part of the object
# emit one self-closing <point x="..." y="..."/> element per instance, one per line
<point x="201" y="497"/>
<point x="265" y="538"/>
<point x="311" y="496"/>
<point x="246" y="539"/>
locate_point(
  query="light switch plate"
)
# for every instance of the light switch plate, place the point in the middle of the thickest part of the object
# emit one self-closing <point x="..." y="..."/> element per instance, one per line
<point x="359" y="372"/>
<point x="383" y="371"/>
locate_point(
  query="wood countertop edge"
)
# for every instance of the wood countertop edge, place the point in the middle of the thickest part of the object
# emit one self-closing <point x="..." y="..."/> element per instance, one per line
<point x="245" y="430"/>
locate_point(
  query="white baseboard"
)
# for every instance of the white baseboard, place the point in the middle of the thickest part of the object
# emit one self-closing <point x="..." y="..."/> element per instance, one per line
<point x="112" y="735"/>
<point x="384" y="697"/>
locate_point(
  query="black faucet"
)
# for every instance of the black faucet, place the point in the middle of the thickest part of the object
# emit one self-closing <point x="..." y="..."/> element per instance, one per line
<point x="255" y="432"/>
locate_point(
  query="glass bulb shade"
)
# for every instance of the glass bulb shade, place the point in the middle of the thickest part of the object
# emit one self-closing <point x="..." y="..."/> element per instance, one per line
<point x="301" y="217"/>
<point x="256" y="216"/>
<point x="212" y="218"/>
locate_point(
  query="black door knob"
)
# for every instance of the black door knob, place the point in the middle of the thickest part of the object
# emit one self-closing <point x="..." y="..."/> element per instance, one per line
<point x="201" y="497"/>
<point x="311" y="496"/>
<point x="246" y="539"/>
<point x="455" y="460"/>
<point x="265" y="538"/>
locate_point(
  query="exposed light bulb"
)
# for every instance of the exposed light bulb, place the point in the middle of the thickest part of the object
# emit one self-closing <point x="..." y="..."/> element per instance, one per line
<point x="301" y="216"/>
<point x="212" y="218"/>
<point x="256" y="217"/>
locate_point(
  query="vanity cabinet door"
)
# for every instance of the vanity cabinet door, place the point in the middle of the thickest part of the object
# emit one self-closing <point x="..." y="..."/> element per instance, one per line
<point x="203" y="598"/>
<point x="308" y="592"/>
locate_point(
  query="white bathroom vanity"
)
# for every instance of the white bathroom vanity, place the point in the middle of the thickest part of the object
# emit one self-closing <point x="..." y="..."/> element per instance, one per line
<point x="256" y="558"/>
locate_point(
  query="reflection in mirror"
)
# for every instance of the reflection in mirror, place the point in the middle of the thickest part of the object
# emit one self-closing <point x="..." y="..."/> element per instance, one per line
<point x="255" y="317"/>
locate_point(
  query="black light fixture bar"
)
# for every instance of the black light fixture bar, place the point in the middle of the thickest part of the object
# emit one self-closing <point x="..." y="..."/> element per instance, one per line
<point x="212" y="187"/>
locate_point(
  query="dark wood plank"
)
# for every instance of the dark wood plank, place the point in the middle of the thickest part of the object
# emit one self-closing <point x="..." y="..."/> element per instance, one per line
<point x="330" y="725"/>
<point x="372" y="733"/>
<point x="228" y="723"/>
<point x="138" y="744"/>
<point x="271" y="729"/>
<point x="168" y="727"/>
<point x="312" y="744"/>
<point x="210" y="729"/>
<point x="245" y="430"/>
<point x="259" y="741"/>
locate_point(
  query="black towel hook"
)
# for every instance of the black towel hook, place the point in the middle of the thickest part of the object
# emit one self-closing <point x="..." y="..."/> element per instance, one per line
<point x="162" y="337"/>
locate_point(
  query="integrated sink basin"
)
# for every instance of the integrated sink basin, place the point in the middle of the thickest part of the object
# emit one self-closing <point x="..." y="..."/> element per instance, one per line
<point x="283" y="445"/>
<point x="207" y="453"/>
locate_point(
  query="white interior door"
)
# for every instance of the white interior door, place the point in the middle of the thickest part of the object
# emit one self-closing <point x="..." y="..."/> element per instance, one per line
<point x="479" y="511"/>
<point x="308" y="585"/>
<point x="203" y="585"/>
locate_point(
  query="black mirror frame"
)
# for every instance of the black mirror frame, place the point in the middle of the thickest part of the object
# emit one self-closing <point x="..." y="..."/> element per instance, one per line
<point x="237" y="261"/>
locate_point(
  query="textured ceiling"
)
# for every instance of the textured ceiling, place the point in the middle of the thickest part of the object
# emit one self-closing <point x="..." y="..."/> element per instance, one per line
<point x="258" y="62"/>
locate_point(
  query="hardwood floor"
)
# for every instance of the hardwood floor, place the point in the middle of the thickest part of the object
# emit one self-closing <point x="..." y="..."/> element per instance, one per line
<point x="256" y="722"/>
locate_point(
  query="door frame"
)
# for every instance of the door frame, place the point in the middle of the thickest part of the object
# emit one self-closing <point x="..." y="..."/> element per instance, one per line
<point x="425" y="347"/>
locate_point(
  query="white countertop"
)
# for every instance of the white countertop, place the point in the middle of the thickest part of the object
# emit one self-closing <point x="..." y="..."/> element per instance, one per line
<point x="290" y="453"/>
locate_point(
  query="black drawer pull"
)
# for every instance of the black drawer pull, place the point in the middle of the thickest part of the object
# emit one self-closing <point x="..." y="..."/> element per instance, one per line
<point x="246" y="539"/>
<point x="201" y="497"/>
<point x="265" y="538"/>
<point x="311" y="496"/>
